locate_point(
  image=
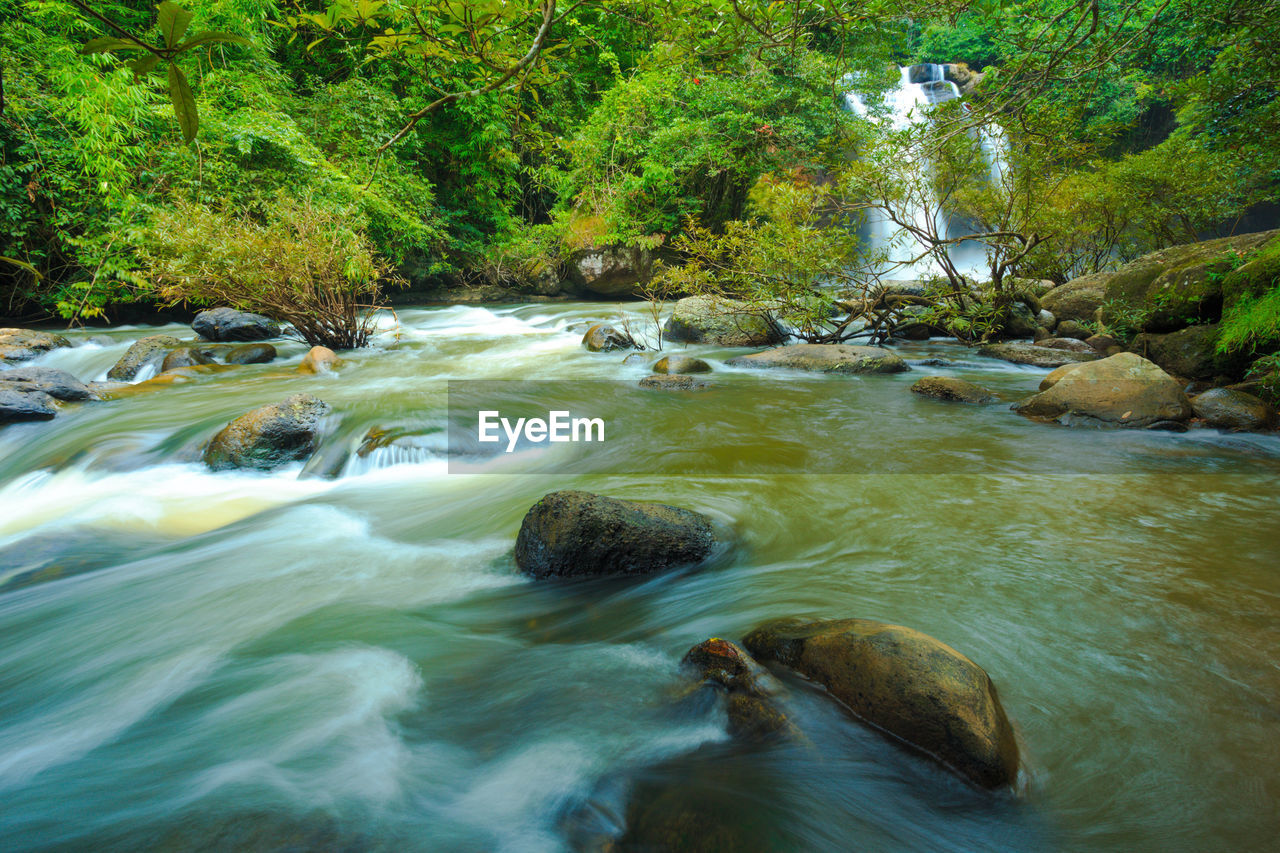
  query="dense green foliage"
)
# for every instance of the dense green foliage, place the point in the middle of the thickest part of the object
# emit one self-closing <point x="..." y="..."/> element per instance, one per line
<point x="492" y="138"/>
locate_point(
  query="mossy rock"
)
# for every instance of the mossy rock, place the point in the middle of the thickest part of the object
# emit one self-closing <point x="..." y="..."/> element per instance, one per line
<point x="1253" y="278"/>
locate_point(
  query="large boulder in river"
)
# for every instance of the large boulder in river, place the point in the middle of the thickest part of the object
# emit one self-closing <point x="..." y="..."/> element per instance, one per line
<point x="825" y="358"/>
<point x="24" y="404"/>
<point x="1078" y="299"/>
<point x="228" y="324"/>
<point x="25" y="344"/>
<point x="1233" y="410"/>
<point x="727" y="322"/>
<point x="144" y="352"/>
<point x="1191" y="353"/>
<point x="1034" y="354"/>
<point x="603" y="338"/>
<point x="903" y="682"/>
<point x="572" y="534"/>
<point x="951" y="388"/>
<point x="1122" y="390"/>
<point x="270" y="436"/>
<point x="610" y="271"/>
<point x="48" y="380"/>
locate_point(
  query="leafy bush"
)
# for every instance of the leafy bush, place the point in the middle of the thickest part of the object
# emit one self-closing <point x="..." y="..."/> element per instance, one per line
<point x="304" y="266"/>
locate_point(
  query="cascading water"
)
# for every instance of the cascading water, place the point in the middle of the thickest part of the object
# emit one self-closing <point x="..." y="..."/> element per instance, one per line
<point x="919" y="88"/>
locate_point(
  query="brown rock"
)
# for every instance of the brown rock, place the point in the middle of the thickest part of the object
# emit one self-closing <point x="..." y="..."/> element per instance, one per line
<point x="1233" y="410"/>
<point x="1034" y="355"/>
<point x="602" y="338"/>
<point x="825" y="358"/>
<point x="1122" y="390"/>
<point x="674" y="382"/>
<point x="680" y="364"/>
<point x="752" y="712"/>
<point x="269" y="436"/>
<point x="950" y="388"/>
<point x="319" y="360"/>
<point x="1067" y="344"/>
<point x="144" y="352"/>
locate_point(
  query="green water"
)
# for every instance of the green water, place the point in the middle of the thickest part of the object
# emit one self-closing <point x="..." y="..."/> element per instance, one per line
<point x="249" y="661"/>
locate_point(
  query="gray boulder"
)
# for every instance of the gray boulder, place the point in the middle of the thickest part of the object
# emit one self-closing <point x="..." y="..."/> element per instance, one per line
<point x="184" y="357"/>
<point x="49" y="380"/>
<point x="25" y="344"/>
<point x="602" y="338"/>
<point x="228" y="324"/>
<point x="712" y="320"/>
<point x="825" y="358"/>
<point x="25" y="404"/>
<point x="144" y="352"/>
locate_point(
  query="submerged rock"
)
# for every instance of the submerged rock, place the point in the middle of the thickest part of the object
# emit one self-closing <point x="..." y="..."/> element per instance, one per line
<point x="750" y="688"/>
<point x="573" y="534"/>
<point x="713" y="320"/>
<point x="144" y="352"/>
<point x="950" y="388"/>
<point x="56" y="383"/>
<point x="1035" y="355"/>
<point x="184" y="357"/>
<point x="1233" y="410"/>
<point x="228" y="324"/>
<point x="25" y="404"/>
<point x="25" y="344"/>
<point x="674" y="382"/>
<point x="319" y="360"/>
<point x="680" y="364"/>
<point x="252" y="354"/>
<point x="826" y="358"/>
<point x="905" y="683"/>
<point x="1121" y="390"/>
<point x="602" y="338"/>
<point x="269" y="436"/>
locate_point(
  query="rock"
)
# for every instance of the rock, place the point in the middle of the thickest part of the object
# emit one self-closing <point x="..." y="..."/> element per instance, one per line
<point x="1078" y="299"/>
<point x="950" y="388"/>
<point x="144" y="352"/>
<point x="1020" y="321"/>
<point x="611" y="271"/>
<point x="899" y="294"/>
<point x="25" y="344"/>
<point x="49" y="380"/>
<point x="1121" y="390"/>
<point x="1042" y="334"/>
<point x="602" y="338"/>
<point x="905" y="683"/>
<point x="726" y="322"/>
<point x="680" y="364"/>
<point x="184" y="357"/>
<point x="674" y="382"/>
<point x="25" y="404"/>
<point x="1074" y="329"/>
<point x="1104" y="344"/>
<point x="962" y="75"/>
<point x="825" y="358"/>
<point x="1190" y="353"/>
<point x="228" y="324"/>
<point x="1067" y="345"/>
<point x="252" y="354"/>
<point x="1034" y="354"/>
<point x="319" y="360"/>
<point x="574" y="534"/>
<point x="269" y="436"/>
<point x="912" y="332"/>
<point x="750" y="688"/>
<point x="1046" y="320"/>
<point x="1233" y="410"/>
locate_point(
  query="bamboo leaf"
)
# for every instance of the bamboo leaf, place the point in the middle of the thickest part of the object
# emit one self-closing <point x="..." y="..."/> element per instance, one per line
<point x="184" y="103"/>
<point x="209" y="38"/>
<point x="173" y="21"/>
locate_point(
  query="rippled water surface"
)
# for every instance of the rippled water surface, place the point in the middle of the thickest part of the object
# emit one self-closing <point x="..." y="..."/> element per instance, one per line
<point x="243" y="661"/>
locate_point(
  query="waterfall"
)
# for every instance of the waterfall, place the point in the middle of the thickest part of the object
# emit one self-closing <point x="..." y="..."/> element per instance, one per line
<point x="919" y="88"/>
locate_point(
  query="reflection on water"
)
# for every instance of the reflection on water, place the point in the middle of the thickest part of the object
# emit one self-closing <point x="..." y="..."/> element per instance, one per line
<point x="259" y="661"/>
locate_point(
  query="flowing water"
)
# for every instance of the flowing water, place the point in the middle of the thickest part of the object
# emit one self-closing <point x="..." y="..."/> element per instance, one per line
<point x="250" y="661"/>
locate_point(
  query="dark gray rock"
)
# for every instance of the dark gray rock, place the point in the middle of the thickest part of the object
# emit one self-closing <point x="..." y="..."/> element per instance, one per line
<point x="269" y="436"/>
<point x="252" y="354"/>
<point x="184" y="357"/>
<point x="25" y="344"/>
<point x="56" y="383"/>
<point x="25" y="404"/>
<point x="228" y="324"/>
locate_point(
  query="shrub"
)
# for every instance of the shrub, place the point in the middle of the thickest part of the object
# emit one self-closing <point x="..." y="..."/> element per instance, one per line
<point x="304" y="266"/>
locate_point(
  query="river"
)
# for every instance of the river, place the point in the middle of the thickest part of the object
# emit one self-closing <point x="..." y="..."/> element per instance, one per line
<point x="198" y="660"/>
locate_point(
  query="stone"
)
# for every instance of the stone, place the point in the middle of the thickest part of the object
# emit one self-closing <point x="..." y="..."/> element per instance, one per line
<point x="1233" y="410"/>
<point x="753" y="715"/>
<point x="905" y="683"/>
<point x="1066" y="344"/>
<point x="602" y="338"/>
<point x="269" y="436"/>
<point x="680" y="364"/>
<point x="1034" y="354"/>
<point x="1073" y="329"/>
<point x="1046" y="320"/>
<point x="49" y="380"/>
<point x="319" y="360"/>
<point x="184" y="357"/>
<point x="228" y="324"/>
<point x="1078" y="299"/>
<point x="725" y="322"/>
<point x="144" y="352"/>
<point x="252" y="354"/>
<point x="25" y="344"/>
<point x="25" y="404"/>
<point x="950" y="388"/>
<point x="1121" y="390"/>
<point x="1104" y="344"/>
<point x="1190" y="353"/>
<point x="674" y="382"/>
<point x="577" y="534"/>
<point x="611" y="271"/>
<point x="825" y="358"/>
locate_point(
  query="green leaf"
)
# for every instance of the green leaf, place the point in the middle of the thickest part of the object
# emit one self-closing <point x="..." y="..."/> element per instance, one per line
<point x="209" y="38"/>
<point x="144" y="64"/>
<point x="108" y="44"/>
<point x="173" y="21"/>
<point x="184" y="103"/>
<point x="23" y="264"/>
